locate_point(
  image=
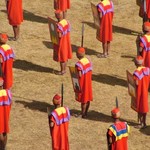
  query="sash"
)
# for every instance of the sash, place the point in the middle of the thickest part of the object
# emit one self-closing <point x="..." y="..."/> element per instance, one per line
<point x="140" y="72"/>
<point x="85" y="65"/>
<point x="61" y="115"/>
<point x="6" y="51"/>
<point x="5" y="97"/>
<point x="120" y="130"/>
<point x="106" y="6"/>
<point x="146" y="41"/>
<point x="64" y="26"/>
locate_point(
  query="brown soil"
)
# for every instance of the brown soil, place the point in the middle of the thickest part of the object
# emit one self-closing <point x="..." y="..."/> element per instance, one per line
<point x="35" y="84"/>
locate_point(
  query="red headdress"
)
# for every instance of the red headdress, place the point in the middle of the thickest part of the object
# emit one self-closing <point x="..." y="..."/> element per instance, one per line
<point x="139" y="60"/>
<point x="81" y="51"/>
<point x="115" y="113"/>
<point x="3" y="38"/>
<point x="146" y="26"/>
<point x="57" y="99"/>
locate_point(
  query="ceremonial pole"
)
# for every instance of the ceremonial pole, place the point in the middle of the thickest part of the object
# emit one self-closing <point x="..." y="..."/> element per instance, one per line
<point x="82" y="35"/>
<point x="117" y="106"/>
<point x="62" y="94"/>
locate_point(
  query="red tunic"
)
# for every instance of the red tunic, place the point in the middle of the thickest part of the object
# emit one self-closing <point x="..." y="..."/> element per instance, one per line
<point x="119" y="133"/>
<point x="142" y="76"/>
<point x="59" y="132"/>
<point x="85" y="81"/>
<point x="106" y="8"/>
<point x="63" y="51"/>
<point x="5" y="106"/>
<point x="15" y="12"/>
<point x="63" y="5"/>
<point x="7" y="55"/>
<point x="141" y="13"/>
<point x="145" y="44"/>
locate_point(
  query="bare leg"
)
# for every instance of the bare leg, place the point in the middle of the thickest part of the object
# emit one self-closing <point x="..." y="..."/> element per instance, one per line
<point x="144" y="120"/>
<point x="63" y="67"/>
<point x="138" y="119"/>
<point x="83" y="109"/>
<point x="108" y="47"/>
<point x="64" y="14"/>
<point x="16" y="30"/>
<point x="104" y="45"/>
<point x="105" y="49"/>
<point x="87" y="107"/>
<point x="3" y="141"/>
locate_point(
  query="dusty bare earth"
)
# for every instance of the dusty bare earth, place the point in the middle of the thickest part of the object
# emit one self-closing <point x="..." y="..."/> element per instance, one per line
<point x="35" y="84"/>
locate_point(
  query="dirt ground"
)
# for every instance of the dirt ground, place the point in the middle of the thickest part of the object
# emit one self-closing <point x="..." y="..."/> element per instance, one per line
<point x="35" y="84"/>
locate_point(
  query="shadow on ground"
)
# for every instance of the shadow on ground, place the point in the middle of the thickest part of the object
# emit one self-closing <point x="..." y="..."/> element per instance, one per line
<point x="36" y="105"/>
<point x="108" y="79"/>
<point x="89" y="51"/>
<point x="29" y="16"/>
<point x="98" y="116"/>
<point x="94" y="115"/>
<point x="116" y="29"/>
<point x="26" y="66"/>
<point x="146" y="130"/>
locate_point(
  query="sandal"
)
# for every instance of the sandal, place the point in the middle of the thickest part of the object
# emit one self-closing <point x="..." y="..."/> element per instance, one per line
<point x="59" y="72"/>
<point x="144" y="126"/>
<point x="80" y="116"/>
<point x="13" y="38"/>
<point x="138" y="126"/>
<point x="101" y="56"/>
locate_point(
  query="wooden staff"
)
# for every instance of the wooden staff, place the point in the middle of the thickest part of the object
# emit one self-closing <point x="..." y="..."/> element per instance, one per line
<point x="82" y="35"/>
<point x="62" y="94"/>
<point x="117" y="106"/>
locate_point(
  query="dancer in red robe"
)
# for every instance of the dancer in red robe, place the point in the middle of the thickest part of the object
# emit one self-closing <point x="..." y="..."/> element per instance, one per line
<point x="84" y="70"/>
<point x="63" y="49"/>
<point x="142" y="78"/>
<point x="58" y="122"/>
<point x="144" y="45"/>
<point x="117" y="134"/>
<point x="62" y="5"/>
<point x="15" y="16"/>
<point x="104" y="33"/>
<point x="5" y="107"/>
<point x="6" y="60"/>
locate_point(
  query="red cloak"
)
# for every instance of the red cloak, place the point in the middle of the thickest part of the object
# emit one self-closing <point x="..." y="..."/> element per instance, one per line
<point x="145" y="44"/>
<point x="63" y="51"/>
<point x="7" y="55"/>
<point x="63" y="5"/>
<point x="15" y="12"/>
<point x="85" y="81"/>
<point x="142" y="75"/>
<point x="59" y="132"/>
<point x="141" y="12"/>
<point x="106" y="8"/>
<point x="119" y="134"/>
<point x="5" y="106"/>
